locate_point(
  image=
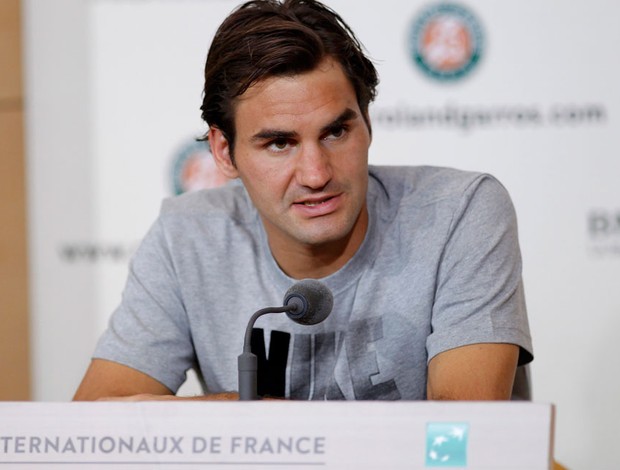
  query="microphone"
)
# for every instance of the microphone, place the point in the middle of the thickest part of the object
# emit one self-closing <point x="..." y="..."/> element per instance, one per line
<point x="307" y="302"/>
<point x="310" y="300"/>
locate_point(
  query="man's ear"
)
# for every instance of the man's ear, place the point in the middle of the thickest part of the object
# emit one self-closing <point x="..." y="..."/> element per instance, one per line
<point x="220" y="149"/>
<point x="368" y="123"/>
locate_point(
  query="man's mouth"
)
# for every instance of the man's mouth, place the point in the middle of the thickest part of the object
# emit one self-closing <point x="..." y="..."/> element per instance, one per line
<point x="315" y="202"/>
<point x="318" y="206"/>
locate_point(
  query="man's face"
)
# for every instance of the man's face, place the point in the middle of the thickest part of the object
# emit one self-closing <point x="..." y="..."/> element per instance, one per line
<point x="301" y="150"/>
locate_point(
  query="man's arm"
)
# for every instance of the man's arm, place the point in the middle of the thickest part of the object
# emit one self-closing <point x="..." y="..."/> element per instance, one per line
<point x="108" y="380"/>
<point x="105" y="379"/>
<point x="479" y="299"/>
<point x="475" y="372"/>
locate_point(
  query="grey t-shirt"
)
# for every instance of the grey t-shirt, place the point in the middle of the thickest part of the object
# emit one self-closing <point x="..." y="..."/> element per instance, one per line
<point x="439" y="268"/>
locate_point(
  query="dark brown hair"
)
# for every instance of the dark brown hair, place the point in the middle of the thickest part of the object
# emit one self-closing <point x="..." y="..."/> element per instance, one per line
<point x="266" y="38"/>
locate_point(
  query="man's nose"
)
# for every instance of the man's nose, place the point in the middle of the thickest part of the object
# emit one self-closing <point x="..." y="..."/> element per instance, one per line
<point x="313" y="167"/>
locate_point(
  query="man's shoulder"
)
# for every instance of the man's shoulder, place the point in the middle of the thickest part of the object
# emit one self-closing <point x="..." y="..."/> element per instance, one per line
<point x="426" y="184"/>
<point x="229" y="201"/>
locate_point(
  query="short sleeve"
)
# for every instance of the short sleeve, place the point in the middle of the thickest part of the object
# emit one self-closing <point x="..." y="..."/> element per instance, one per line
<point x="150" y="331"/>
<point x="479" y="295"/>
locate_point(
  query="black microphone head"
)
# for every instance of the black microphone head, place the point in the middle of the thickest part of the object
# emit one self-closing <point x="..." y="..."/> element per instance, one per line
<point x="311" y="302"/>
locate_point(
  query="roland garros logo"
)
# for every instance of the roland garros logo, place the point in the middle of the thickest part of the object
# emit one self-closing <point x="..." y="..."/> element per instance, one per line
<point x="193" y="168"/>
<point x="446" y="41"/>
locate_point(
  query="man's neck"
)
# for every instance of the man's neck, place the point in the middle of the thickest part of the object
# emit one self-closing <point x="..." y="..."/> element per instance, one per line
<point x="301" y="261"/>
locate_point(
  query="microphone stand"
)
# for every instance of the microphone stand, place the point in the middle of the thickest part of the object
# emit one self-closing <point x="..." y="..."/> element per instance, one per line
<point x="247" y="362"/>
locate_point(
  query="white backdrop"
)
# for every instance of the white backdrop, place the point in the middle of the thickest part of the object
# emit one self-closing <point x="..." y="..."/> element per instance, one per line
<point x="113" y="91"/>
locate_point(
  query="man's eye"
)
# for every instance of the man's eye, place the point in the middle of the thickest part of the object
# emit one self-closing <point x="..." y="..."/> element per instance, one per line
<point x="336" y="132"/>
<point x="279" y="144"/>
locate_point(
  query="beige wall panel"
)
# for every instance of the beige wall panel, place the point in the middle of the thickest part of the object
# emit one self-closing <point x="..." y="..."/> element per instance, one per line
<point x="14" y="328"/>
<point x="10" y="50"/>
<point x="14" y="336"/>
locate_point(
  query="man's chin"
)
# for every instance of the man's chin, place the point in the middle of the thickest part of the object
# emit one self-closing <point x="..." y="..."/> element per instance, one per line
<point x="324" y="237"/>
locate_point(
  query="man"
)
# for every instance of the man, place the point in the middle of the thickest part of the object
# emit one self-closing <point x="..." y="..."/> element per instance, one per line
<point x="424" y="263"/>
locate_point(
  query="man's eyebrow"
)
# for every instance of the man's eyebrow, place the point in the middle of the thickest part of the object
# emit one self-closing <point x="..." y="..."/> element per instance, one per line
<point x="270" y="134"/>
<point x="347" y="115"/>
